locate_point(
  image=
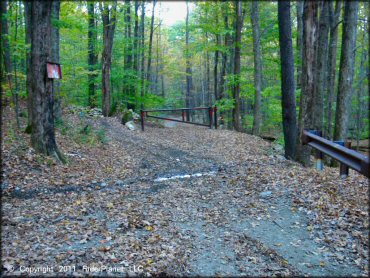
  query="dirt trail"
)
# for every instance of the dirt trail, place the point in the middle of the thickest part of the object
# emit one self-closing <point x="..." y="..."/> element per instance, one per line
<point x="201" y="202"/>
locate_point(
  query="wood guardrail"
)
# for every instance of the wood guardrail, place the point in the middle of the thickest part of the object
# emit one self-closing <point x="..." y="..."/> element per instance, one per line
<point x="339" y="151"/>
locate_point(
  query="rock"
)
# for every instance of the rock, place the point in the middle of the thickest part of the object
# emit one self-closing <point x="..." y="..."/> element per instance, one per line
<point x="119" y="183"/>
<point x="103" y="184"/>
<point x="130" y="125"/>
<point x="265" y="194"/>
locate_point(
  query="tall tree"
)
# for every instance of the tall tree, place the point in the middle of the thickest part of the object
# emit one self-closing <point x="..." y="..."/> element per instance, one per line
<point x="151" y="43"/>
<point x="93" y="57"/>
<point x="109" y="14"/>
<point x="142" y="32"/>
<point x="332" y="59"/>
<point x="287" y="80"/>
<point x="236" y="87"/>
<point x="28" y="27"/>
<point x="55" y="55"/>
<point x="6" y="55"/>
<point x="346" y="70"/>
<point x="321" y="69"/>
<point x="215" y="68"/>
<point x="310" y="27"/>
<point x="15" y="67"/>
<point x="136" y="47"/>
<point x="128" y="88"/>
<point x="43" y="133"/>
<point x="189" y="80"/>
<point x="257" y="117"/>
<point x="224" y="54"/>
<point x="299" y="11"/>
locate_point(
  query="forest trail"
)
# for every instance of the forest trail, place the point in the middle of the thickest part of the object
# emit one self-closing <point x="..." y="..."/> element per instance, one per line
<point x="200" y="202"/>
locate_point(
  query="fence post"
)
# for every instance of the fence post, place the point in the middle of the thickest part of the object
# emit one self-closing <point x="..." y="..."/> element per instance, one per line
<point x="183" y="115"/>
<point x="215" y="116"/>
<point x="210" y="116"/>
<point x="142" y="119"/>
<point x="319" y="155"/>
<point x="343" y="168"/>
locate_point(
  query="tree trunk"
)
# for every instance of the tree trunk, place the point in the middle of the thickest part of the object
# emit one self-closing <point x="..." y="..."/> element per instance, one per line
<point x="224" y="61"/>
<point x="128" y="88"/>
<point x="215" y="68"/>
<point x="321" y="67"/>
<point x="332" y="59"/>
<point x="150" y="44"/>
<point x="257" y="118"/>
<point x="142" y="25"/>
<point x="55" y="56"/>
<point x="28" y="27"/>
<point x="43" y="133"/>
<point x="16" y="89"/>
<point x="308" y="71"/>
<point x="347" y="61"/>
<point x="287" y="80"/>
<point x="109" y="25"/>
<point x="92" y="58"/>
<point x="189" y="80"/>
<point x="6" y="56"/>
<point x="136" y="48"/>
<point x="236" y="89"/>
<point x="299" y="9"/>
<point x="208" y="75"/>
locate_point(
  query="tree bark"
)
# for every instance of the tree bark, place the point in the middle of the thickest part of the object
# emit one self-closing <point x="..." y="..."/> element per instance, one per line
<point x="136" y="48"/>
<point x="236" y="88"/>
<point x="6" y="57"/>
<point x="321" y="70"/>
<point x="189" y="80"/>
<point x="287" y="80"/>
<point x="346" y="71"/>
<point x="93" y="57"/>
<point x="43" y="133"/>
<point x="28" y="29"/>
<point x="257" y="118"/>
<point x="150" y="44"/>
<point x="299" y="9"/>
<point x="142" y="25"/>
<point x="109" y="25"/>
<point x="332" y="59"/>
<point x="308" y="71"/>
<point x="55" y="56"/>
<point x="215" y="68"/>
<point x="224" y="59"/>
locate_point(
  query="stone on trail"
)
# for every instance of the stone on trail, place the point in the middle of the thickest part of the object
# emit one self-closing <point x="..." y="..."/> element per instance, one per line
<point x="130" y="125"/>
<point x="265" y="194"/>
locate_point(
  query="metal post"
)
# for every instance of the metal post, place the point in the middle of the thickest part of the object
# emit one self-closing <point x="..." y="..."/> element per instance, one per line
<point x="343" y="168"/>
<point x="210" y="116"/>
<point x="142" y="119"/>
<point x="215" y="116"/>
<point x="319" y="155"/>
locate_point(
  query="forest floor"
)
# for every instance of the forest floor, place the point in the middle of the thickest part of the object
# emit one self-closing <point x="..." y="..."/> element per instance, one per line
<point x="175" y="200"/>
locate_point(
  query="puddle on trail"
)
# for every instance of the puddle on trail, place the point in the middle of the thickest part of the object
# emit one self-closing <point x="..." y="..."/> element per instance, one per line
<point x="187" y="176"/>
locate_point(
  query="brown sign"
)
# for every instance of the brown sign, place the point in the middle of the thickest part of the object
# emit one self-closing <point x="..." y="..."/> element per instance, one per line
<point x="54" y="71"/>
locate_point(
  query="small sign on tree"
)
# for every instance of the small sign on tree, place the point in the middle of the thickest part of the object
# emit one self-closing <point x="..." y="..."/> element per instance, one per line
<point x="54" y="70"/>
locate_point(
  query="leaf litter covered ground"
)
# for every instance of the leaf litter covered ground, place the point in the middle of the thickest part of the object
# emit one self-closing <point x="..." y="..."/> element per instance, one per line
<point x="181" y="201"/>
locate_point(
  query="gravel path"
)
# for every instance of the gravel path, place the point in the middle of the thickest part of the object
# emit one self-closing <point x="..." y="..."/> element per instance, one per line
<point x="201" y="202"/>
